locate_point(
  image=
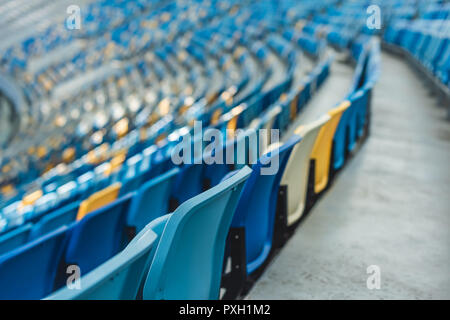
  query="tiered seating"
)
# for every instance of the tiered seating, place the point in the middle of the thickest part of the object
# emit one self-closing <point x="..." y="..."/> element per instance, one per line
<point x="425" y="40"/>
<point x="93" y="181"/>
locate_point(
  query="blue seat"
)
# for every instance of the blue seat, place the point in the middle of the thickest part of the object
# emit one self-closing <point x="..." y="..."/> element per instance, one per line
<point x="359" y="102"/>
<point x="188" y="260"/>
<point x="158" y="167"/>
<point x="131" y="176"/>
<point x="188" y="182"/>
<point x="98" y="236"/>
<point x="151" y="200"/>
<point x="15" y="238"/>
<point x="29" y="271"/>
<point x="131" y="184"/>
<point x="61" y="217"/>
<point x="214" y="172"/>
<point x="344" y="138"/>
<point x="255" y="212"/>
<point x="118" y="278"/>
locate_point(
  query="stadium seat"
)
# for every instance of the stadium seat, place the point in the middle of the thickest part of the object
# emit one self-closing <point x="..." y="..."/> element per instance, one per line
<point x="98" y="200"/>
<point x="151" y="200"/>
<point x="97" y="157"/>
<point x="342" y="137"/>
<point x="98" y="236"/>
<point x="29" y="272"/>
<point x="52" y="221"/>
<point x="188" y="183"/>
<point x="296" y="174"/>
<point x="226" y="162"/>
<point x="15" y="238"/>
<point x="118" y="278"/>
<point x="188" y="260"/>
<point x="321" y="152"/>
<point x="255" y="212"/>
<point x="359" y="101"/>
<point x="267" y="123"/>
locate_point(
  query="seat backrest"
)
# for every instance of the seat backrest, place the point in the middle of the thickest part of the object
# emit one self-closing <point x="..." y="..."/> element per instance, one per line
<point x="15" y="238"/>
<point x="119" y="277"/>
<point x="188" y="182"/>
<point x="342" y="137"/>
<point x="321" y="152"/>
<point x="219" y="165"/>
<point x="29" y="272"/>
<point x="151" y="200"/>
<point x="98" y="200"/>
<point x="98" y="236"/>
<point x="297" y="169"/>
<point x="52" y="221"/>
<point x="189" y="257"/>
<point x="359" y="102"/>
<point x="267" y="124"/>
<point x="256" y="209"/>
<point x="130" y="184"/>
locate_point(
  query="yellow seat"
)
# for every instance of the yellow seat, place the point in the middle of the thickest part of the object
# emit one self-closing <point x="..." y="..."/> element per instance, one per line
<point x="231" y="126"/>
<point x="41" y="152"/>
<point x="69" y="155"/>
<point x="116" y="162"/>
<point x="98" y="200"/>
<point x="143" y="134"/>
<point x="121" y="127"/>
<point x="31" y="198"/>
<point x="322" y="148"/>
<point x="7" y="189"/>
<point x="233" y="115"/>
<point x="293" y="105"/>
<point x="216" y="116"/>
<point x="212" y="97"/>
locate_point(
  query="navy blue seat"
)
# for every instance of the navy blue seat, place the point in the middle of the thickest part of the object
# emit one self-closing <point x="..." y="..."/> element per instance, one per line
<point x="188" y="183"/>
<point x="118" y="278"/>
<point x="359" y="102"/>
<point x="344" y="137"/>
<point x="255" y="212"/>
<point x="160" y="163"/>
<point x="151" y="200"/>
<point x="98" y="236"/>
<point x="15" y="238"/>
<point x="131" y="184"/>
<point x="214" y="172"/>
<point x="29" y="271"/>
<point x="52" y="221"/>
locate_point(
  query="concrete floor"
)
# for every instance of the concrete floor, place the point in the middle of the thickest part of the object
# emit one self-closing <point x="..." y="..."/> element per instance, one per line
<point x="389" y="207"/>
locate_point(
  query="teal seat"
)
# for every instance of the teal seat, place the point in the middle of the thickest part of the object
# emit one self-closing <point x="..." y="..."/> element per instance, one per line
<point x="15" y="238"/>
<point x="188" y="260"/>
<point x="184" y="253"/>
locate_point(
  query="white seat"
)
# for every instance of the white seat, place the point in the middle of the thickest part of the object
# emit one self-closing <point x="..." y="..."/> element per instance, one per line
<point x="295" y="176"/>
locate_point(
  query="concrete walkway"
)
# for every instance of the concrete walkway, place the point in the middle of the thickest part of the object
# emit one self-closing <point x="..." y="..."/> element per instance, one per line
<point x="389" y="207"/>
